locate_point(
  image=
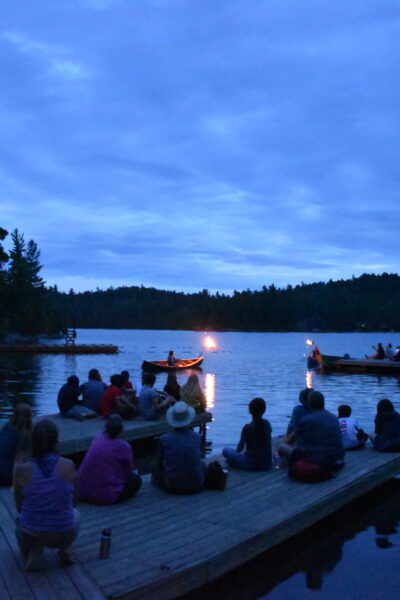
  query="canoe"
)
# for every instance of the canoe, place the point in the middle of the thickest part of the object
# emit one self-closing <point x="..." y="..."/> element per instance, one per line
<point x="360" y="365"/>
<point x="180" y="365"/>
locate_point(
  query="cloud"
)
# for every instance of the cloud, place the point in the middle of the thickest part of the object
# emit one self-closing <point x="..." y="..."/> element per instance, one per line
<point x="190" y="145"/>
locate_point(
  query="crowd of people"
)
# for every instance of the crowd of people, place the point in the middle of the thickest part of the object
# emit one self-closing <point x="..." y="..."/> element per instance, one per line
<point x="94" y="397"/>
<point x="385" y="353"/>
<point x="47" y="486"/>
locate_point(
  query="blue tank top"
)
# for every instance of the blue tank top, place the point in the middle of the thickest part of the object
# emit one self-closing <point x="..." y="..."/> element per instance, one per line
<point x="47" y="498"/>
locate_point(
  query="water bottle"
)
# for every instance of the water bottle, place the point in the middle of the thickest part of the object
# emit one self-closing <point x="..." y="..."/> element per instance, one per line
<point x="276" y="460"/>
<point x="105" y="543"/>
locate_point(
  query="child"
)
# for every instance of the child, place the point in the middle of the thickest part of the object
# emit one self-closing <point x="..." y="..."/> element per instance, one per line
<point x="353" y="436"/>
<point x="255" y="439"/>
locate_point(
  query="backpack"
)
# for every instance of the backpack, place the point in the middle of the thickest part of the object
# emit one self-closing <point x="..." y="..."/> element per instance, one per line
<point x="215" y="477"/>
<point x="308" y="471"/>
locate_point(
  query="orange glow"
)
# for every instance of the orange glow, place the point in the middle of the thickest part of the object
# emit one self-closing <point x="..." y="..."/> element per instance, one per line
<point x="210" y="390"/>
<point x="309" y="377"/>
<point x="309" y="342"/>
<point x="209" y="342"/>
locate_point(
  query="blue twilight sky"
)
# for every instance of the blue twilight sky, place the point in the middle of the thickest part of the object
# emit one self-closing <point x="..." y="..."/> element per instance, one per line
<point x="189" y="144"/>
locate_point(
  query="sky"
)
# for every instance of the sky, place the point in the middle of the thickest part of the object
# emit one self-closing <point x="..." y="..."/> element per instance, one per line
<point x="191" y="144"/>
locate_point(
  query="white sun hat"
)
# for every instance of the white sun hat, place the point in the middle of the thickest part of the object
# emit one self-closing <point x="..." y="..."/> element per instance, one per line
<point x="180" y="414"/>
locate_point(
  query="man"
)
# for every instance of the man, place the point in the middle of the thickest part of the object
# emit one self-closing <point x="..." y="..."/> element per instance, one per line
<point x="68" y="401"/>
<point x="316" y="437"/>
<point x="151" y="402"/>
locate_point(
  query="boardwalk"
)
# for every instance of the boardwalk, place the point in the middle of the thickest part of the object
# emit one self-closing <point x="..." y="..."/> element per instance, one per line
<point x="164" y="546"/>
<point x="76" y="436"/>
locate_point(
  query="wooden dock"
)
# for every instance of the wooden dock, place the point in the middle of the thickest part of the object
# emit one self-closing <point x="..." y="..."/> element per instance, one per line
<point x="164" y="546"/>
<point x="59" y="349"/>
<point x="76" y="436"/>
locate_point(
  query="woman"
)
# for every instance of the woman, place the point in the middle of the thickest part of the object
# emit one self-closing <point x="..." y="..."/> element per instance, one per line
<point x="15" y="441"/>
<point x="379" y="352"/>
<point x="387" y="427"/>
<point x="114" y="401"/>
<point x="172" y="387"/>
<point x="255" y="440"/>
<point x="44" y="490"/>
<point x="106" y="473"/>
<point x="193" y="395"/>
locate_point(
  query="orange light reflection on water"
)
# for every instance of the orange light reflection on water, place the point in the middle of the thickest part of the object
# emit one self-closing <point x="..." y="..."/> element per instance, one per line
<point x="210" y="390"/>
<point x="309" y="378"/>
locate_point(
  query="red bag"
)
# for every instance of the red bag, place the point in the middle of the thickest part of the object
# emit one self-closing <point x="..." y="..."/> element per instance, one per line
<point x="307" y="471"/>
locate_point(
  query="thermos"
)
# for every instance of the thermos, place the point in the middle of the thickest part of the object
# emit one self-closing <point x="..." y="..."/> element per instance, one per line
<point x="105" y="543"/>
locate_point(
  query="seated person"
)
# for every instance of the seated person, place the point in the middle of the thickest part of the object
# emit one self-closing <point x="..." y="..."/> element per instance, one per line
<point x="15" y="441"/>
<point x="171" y="358"/>
<point x="127" y="384"/>
<point x="193" y="395"/>
<point x="92" y="391"/>
<point x="114" y="401"/>
<point x="172" y="387"/>
<point x="387" y="428"/>
<point x="316" y="436"/>
<point x="300" y="410"/>
<point x="379" y="352"/>
<point x="179" y="468"/>
<point x="353" y="437"/>
<point x="389" y="352"/>
<point x="106" y="473"/>
<point x="68" y="401"/>
<point x="151" y="403"/>
<point x="397" y="354"/>
<point x="44" y="489"/>
<point x="255" y="440"/>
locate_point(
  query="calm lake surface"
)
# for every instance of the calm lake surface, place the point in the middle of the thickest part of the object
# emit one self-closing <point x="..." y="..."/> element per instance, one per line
<point x="245" y="365"/>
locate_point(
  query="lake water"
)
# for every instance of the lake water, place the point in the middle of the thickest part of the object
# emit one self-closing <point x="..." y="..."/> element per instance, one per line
<point x="245" y="365"/>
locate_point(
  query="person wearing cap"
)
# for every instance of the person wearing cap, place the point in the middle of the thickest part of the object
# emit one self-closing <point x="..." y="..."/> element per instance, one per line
<point x="179" y="468"/>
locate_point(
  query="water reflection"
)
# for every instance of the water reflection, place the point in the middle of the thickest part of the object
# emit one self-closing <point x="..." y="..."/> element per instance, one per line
<point x="210" y="390"/>
<point x="304" y="563"/>
<point x="309" y="379"/>
<point x="19" y="380"/>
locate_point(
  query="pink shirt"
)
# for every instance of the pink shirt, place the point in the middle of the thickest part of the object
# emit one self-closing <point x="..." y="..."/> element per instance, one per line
<point x="105" y="470"/>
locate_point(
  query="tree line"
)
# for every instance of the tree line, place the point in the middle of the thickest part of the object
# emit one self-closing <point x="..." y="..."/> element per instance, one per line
<point x="366" y="303"/>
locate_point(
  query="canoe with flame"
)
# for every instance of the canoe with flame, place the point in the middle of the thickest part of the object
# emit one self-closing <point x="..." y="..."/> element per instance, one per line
<point x="180" y="365"/>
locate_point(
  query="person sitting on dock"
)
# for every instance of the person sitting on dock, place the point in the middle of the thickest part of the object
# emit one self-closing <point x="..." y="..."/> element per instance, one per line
<point x="152" y="404"/>
<point x="193" y="395"/>
<point x="397" y="354"/>
<point x="115" y="401"/>
<point x="179" y="468"/>
<point x="93" y="390"/>
<point x="300" y="410"/>
<point x="15" y="441"/>
<point x="172" y="387"/>
<point x="389" y="352"/>
<point x="68" y="401"/>
<point x="106" y="474"/>
<point x="171" y="359"/>
<point x="353" y="437"/>
<point x="379" y="352"/>
<point x="387" y="427"/>
<point x="255" y="440"/>
<point x="44" y="490"/>
<point x="316" y="438"/>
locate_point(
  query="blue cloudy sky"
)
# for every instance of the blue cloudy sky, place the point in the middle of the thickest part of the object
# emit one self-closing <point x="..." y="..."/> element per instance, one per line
<point x="189" y="144"/>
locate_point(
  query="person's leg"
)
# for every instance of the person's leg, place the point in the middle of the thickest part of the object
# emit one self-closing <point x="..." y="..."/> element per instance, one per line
<point x="236" y="459"/>
<point x="80" y="413"/>
<point x="133" y="485"/>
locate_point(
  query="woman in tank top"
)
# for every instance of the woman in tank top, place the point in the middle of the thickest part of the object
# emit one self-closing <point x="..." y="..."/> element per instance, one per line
<point x="44" y="489"/>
